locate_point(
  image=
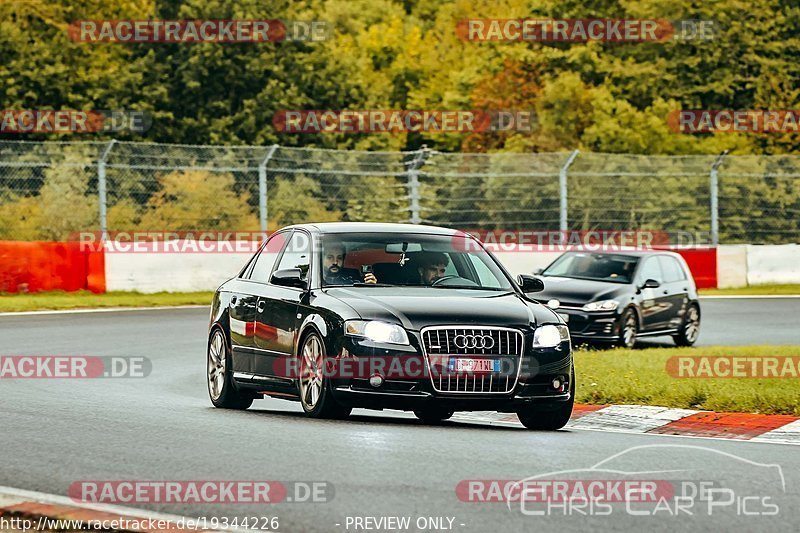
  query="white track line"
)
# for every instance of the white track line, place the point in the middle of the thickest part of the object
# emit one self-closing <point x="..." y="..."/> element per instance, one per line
<point x="101" y="310"/>
<point x="158" y="308"/>
<point x="12" y="496"/>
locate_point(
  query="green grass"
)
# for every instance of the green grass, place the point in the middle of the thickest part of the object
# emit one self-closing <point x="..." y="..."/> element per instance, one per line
<point x="620" y="376"/>
<point x="84" y="299"/>
<point x="787" y="288"/>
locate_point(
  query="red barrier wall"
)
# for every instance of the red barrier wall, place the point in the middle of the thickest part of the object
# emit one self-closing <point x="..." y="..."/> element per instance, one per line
<point x="48" y="266"/>
<point x="703" y="264"/>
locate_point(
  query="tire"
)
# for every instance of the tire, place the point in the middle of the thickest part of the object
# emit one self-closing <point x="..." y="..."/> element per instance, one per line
<point x="433" y="415"/>
<point x="315" y="389"/>
<point x="628" y="328"/>
<point x="221" y="388"/>
<point x="549" y="417"/>
<point x="690" y="327"/>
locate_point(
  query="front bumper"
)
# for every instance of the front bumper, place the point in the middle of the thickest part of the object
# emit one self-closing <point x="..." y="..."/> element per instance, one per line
<point x="408" y="382"/>
<point x="600" y="326"/>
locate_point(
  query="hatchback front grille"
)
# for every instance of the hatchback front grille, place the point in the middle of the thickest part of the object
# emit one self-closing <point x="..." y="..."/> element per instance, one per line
<point x="444" y="345"/>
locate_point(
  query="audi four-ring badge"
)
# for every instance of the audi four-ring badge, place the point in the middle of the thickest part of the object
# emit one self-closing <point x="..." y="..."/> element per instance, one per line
<point x="387" y="316"/>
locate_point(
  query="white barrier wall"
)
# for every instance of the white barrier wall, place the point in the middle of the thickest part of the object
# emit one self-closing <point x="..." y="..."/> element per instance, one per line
<point x="737" y="266"/>
<point x="773" y="264"/>
<point x="732" y="266"/>
<point x="172" y="272"/>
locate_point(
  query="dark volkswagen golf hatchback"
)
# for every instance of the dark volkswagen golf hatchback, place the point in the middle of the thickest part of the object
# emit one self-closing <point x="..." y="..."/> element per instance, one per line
<point x="622" y="296"/>
<point x="344" y="315"/>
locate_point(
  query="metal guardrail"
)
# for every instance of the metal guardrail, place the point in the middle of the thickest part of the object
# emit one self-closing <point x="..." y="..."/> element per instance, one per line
<point x="49" y="190"/>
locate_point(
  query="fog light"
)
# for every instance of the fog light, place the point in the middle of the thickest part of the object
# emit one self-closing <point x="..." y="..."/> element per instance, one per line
<point x="557" y="383"/>
<point x="376" y="380"/>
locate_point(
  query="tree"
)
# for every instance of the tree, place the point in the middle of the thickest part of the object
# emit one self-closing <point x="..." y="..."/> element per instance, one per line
<point x="198" y="200"/>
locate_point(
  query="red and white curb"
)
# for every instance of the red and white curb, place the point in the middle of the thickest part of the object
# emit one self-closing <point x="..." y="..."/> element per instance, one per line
<point x="43" y="510"/>
<point x="781" y="429"/>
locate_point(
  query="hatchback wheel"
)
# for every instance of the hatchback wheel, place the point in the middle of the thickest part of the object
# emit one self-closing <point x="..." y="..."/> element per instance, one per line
<point x="629" y="327"/>
<point x="221" y="388"/>
<point x="690" y="328"/>
<point x="315" y="394"/>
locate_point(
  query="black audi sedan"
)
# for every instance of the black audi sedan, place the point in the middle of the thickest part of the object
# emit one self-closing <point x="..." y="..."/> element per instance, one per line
<point x="619" y="297"/>
<point x="419" y="318"/>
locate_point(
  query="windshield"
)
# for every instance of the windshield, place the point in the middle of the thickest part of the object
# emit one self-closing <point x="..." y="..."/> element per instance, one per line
<point x="594" y="266"/>
<point x="401" y="259"/>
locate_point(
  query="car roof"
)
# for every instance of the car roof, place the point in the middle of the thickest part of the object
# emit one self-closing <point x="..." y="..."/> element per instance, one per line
<point x="635" y="252"/>
<point x="373" y="227"/>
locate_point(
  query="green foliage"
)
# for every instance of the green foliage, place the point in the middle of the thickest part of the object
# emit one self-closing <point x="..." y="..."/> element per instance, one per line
<point x="192" y="200"/>
<point x="296" y="200"/>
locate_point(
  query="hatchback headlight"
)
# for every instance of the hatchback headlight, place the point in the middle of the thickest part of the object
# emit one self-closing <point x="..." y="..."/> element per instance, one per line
<point x="377" y="331"/>
<point x="550" y="336"/>
<point x="602" y="305"/>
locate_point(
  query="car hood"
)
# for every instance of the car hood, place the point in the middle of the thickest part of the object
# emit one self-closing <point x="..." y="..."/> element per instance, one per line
<point x="417" y="307"/>
<point x="581" y="291"/>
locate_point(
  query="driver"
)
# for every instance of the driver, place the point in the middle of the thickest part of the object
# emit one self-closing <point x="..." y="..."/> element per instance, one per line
<point x="432" y="266"/>
<point x="334" y="272"/>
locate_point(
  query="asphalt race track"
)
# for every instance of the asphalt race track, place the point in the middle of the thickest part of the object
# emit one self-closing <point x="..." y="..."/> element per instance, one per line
<point x="162" y="427"/>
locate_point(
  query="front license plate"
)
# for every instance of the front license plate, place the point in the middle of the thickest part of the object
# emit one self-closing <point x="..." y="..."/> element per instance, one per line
<point x="474" y="365"/>
<point x="564" y="316"/>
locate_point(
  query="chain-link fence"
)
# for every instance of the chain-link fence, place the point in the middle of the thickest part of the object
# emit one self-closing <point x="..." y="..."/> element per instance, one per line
<point x="53" y="190"/>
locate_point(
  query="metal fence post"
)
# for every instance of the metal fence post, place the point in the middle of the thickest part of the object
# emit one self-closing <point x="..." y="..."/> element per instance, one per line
<point x="101" y="189"/>
<point x="714" y="195"/>
<point x="413" y="183"/>
<point x="262" y="188"/>
<point x="563" y="221"/>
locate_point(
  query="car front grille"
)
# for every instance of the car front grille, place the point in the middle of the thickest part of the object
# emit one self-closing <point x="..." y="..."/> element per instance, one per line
<point x="443" y="345"/>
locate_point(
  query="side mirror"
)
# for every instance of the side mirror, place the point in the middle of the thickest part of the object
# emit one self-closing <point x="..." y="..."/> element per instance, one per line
<point x="288" y="277"/>
<point x="529" y="283"/>
<point x="651" y="284"/>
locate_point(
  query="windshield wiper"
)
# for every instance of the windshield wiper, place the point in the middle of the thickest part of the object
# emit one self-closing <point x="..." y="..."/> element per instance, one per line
<point x="363" y="284"/>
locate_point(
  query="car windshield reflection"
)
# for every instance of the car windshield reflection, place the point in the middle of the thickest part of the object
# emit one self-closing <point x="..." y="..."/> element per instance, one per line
<point x="614" y="268"/>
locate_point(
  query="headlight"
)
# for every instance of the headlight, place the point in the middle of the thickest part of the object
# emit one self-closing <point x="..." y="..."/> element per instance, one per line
<point x="550" y="336"/>
<point x="377" y="331"/>
<point x="602" y="305"/>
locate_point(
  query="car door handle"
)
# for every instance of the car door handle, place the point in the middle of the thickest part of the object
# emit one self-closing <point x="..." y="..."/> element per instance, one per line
<point x="260" y="306"/>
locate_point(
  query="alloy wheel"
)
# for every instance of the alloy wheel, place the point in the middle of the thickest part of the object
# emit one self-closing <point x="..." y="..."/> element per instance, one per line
<point x="311" y="377"/>
<point x="629" y="330"/>
<point x="216" y="365"/>
<point x="691" y="328"/>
